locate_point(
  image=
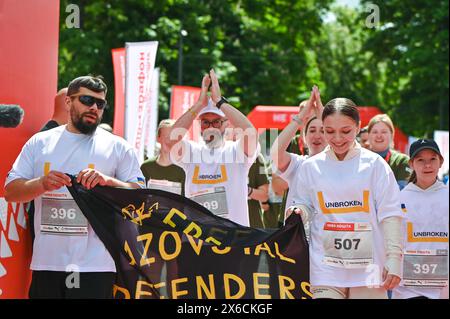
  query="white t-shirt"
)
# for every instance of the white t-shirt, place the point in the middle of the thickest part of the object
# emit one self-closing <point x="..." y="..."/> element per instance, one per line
<point x="58" y="149"/>
<point x="290" y="174"/>
<point x="225" y="168"/>
<point x="426" y="229"/>
<point x="347" y="199"/>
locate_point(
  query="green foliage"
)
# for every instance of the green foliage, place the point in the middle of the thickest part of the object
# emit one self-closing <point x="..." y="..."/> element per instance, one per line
<point x="411" y="44"/>
<point x="271" y="52"/>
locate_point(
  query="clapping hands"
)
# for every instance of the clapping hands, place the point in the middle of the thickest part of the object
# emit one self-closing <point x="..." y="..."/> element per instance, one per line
<point x="209" y="83"/>
<point x="312" y="107"/>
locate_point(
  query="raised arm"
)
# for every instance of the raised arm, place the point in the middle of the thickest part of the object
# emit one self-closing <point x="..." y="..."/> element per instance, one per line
<point x="278" y="151"/>
<point x="184" y="122"/>
<point x="248" y="140"/>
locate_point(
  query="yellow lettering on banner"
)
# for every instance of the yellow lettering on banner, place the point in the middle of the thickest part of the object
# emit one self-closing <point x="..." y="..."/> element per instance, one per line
<point x="46" y="168"/>
<point x="162" y="249"/>
<point x="196" y="246"/>
<point x="137" y="215"/>
<point x="306" y="289"/>
<point x="130" y="254"/>
<point x="257" y="286"/>
<point x="277" y="251"/>
<point x="193" y="226"/>
<point x="247" y="250"/>
<point x="213" y="240"/>
<point x="203" y="287"/>
<point x="148" y="239"/>
<point x="168" y="219"/>
<point x="266" y="248"/>
<point x="236" y="279"/>
<point x="175" y="292"/>
<point x="219" y="251"/>
<point x="214" y="230"/>
<point x="285" y="289"/>
<point x="124" y="291"/>
<point x="139" y="292"/>
<point x="160" y="285"/>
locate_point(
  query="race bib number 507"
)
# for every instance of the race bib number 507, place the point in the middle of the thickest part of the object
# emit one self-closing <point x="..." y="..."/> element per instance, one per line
<point x="347" y="245"/>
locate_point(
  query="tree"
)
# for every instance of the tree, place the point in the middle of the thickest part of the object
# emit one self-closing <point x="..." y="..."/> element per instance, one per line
<point x="257" y="47"/>
<point x="412" y="44"/>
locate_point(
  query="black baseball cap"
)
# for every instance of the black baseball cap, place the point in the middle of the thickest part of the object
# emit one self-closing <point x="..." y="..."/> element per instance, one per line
<point x="423" y="144"/>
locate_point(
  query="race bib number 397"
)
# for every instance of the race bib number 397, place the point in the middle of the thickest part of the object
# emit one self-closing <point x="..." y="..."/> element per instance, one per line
<point x="347" y="245"/>
<point x="425" y="268"/>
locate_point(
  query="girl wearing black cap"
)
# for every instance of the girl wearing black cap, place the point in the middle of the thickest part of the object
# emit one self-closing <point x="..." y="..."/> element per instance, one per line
<point x="426" y="206"/>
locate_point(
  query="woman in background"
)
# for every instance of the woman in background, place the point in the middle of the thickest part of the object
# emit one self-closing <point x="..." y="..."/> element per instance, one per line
<point x="381" y="136"/>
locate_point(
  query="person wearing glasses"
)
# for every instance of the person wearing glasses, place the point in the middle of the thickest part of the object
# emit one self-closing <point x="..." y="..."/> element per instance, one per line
<point x="69" y="260"/>
<point x="216" y="170"/>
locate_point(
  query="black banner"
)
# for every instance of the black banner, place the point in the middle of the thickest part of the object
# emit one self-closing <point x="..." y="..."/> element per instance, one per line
<point x="167" y="246"/>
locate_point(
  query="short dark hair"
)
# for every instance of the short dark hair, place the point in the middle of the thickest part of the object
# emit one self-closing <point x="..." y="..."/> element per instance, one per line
<point x="93" y="83"/>
<point x="341" y="105"/>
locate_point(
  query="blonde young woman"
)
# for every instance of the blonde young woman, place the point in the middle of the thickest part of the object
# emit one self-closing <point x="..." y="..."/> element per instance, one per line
<point x="350" y="196"/>
<point x="381" y="136"/>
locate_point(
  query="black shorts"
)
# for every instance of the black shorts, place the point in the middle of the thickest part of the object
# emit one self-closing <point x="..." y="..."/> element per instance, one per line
<point x="71" y="285"/>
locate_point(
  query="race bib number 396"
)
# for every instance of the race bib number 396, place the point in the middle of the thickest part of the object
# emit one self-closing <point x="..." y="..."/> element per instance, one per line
<point x="347" y="245"/>
<point x="60" y="215"/>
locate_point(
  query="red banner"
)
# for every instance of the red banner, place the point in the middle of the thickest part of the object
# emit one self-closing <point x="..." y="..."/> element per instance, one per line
<point x="183" y="97"/>
<point x="118" y="57"/>
<point x="29" y="68"/>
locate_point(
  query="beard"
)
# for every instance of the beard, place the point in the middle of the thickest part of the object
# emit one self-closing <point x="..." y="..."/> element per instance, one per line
<point x="80" y="124"/>
<point x="213" y="138"/>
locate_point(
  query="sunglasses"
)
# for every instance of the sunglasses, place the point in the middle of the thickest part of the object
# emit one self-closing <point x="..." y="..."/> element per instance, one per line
<point x="215" y="123"/>
<point x="90" y="100"/>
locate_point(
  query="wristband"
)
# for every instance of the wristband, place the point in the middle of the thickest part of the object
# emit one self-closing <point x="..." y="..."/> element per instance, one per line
<point x="194" y="114"/>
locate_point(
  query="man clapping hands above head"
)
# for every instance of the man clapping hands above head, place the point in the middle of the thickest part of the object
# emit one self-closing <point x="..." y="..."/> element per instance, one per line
<point x="217" y="168"/>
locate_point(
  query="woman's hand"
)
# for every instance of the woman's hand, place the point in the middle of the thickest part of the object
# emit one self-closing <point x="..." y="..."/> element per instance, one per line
<point x="318" y="110"/>
<point x="390" y="281"/>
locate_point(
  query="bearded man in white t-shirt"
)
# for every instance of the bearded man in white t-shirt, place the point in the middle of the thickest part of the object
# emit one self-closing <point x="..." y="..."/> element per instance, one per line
<point x="69" y="260"/>
<point x="216" y="170"/>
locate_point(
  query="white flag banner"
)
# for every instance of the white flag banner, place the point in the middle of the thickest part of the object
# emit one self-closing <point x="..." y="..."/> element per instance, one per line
<point x="441" y="139"/>
<point x="152" y="116"/>
<point x="140" y="63"/>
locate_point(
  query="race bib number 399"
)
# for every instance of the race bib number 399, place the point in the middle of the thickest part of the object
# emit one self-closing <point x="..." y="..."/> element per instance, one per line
<point x="425" y="268"/>
<point x="214" y="200"/>
<point x="60" y="215"/>
<point x="347" y="245"/>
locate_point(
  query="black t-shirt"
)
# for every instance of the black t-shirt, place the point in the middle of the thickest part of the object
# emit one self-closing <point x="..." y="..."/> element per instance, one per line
<point x="49" y="125"/>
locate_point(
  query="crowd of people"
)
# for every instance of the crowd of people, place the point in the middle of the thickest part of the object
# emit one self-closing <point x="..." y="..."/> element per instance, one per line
<point x="376" y="219"/>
